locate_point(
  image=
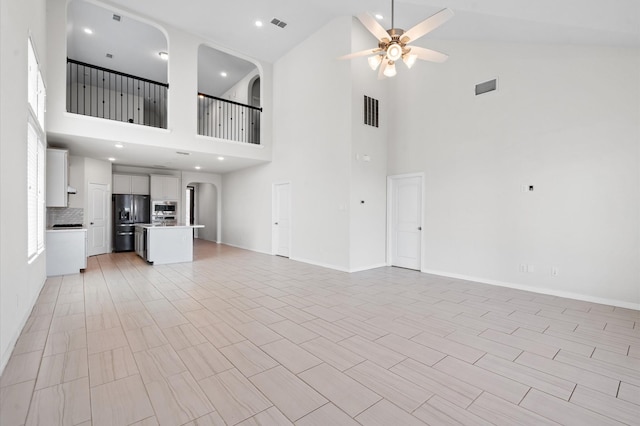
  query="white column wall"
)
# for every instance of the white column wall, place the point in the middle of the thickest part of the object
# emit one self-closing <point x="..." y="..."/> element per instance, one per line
<point x="20" y="282"/>
<point x="565" y="119"/>
<point x="312" y="130"/>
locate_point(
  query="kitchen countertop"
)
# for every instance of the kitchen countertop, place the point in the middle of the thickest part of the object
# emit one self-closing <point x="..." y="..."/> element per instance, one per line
<point x="180" y="225"/>
<point x="65" y="229"/>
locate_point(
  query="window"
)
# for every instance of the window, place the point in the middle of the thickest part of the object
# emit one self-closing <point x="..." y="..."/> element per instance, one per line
<point x="36" y="154"/>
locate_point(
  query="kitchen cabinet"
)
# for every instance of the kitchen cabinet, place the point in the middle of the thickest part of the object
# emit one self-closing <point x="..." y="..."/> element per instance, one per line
<point x="130" y="184"/>
<point x="57" y="177"/>
<point x="165" y="188"/>
<point x="66" y="251"/>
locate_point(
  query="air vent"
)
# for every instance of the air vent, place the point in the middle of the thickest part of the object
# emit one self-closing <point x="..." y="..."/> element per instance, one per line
<point x="371" y="111"/>
<point x="182" y="153"/>
<point x="278" y="23"/>
<point x="486" y="87"/>
<point x="116" y="17"/>
<point x="109" y="55"/>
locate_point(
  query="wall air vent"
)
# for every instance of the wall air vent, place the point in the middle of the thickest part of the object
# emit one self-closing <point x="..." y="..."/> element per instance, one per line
<point x="116" y="17"/>
<point x="182" y="153"/>
<point x="371" y="111"/>
<point x="109" y="55"/>
<point x="278" y="23"/>
<point x="486" y="87"/>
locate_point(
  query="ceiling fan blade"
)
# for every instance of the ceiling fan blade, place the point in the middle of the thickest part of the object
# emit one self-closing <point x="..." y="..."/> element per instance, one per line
<point x="367" y="52"/>
<point x="373" y="26"/>
<point x="428" y="54"/>
<point x="383" y="66"/>
<point x="428" y="25"/>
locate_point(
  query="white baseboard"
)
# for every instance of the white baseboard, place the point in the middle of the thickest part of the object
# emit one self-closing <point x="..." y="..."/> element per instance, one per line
<point x="245" y="248"/>
<point x="547" y="291"/>
<point x="367" y="268"/>
<point x="323" y="265"/>
<point x="14" y="339"/>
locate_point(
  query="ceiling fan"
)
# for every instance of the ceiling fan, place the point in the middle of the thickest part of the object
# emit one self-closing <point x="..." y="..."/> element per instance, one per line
<point x="393" y="43"/>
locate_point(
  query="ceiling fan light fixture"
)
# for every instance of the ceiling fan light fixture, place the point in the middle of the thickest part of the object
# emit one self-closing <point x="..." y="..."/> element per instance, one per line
<point x="394" y="52"/>
<point x="390" y="71"/>
<point x="409" y="60"/>
<point x="374" y="61"/>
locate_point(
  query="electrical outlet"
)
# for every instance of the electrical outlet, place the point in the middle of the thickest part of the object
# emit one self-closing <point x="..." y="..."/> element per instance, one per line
<point x="554" y="271"/>
<point x="523" y="268"/>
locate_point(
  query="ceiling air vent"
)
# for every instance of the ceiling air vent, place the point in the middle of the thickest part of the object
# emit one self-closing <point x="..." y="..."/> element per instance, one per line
<point x="109" y="55"/>
<point x="182" y="153"/>
<point x="278" y="23"/>
<point x="116" y="17"/>
<point x="486" y="87"/>
<point x="370" y="111"/>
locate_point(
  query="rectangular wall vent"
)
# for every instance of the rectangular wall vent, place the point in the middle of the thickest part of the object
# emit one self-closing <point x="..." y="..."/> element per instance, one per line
<point x="371" y="111"/>
<point x="278" y="23"/>
<point x="486" y="87"/>
<point x="116" y="17"/>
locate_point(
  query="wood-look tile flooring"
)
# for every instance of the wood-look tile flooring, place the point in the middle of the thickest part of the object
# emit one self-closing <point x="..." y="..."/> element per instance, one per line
<point x="238" y="337"/>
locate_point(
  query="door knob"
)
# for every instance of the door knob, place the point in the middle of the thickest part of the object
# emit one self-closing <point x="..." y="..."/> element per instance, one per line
<point x="276" y="223"/>
<point x="90" y="223"/>
<point x="419" y="228"/>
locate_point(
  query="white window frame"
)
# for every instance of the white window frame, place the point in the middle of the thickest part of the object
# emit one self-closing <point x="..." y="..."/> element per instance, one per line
<point x="36" y="156"/>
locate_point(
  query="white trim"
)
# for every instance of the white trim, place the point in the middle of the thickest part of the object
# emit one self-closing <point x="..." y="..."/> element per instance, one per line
<point x="244" y="248"/>
<point x="18" y="331"/>
<point x="367" y="268"/>
<point x="539" y="290"/>
<point x="390" y="179"/>
<point x="323" y="265"/>
<point x="274" y="201"/>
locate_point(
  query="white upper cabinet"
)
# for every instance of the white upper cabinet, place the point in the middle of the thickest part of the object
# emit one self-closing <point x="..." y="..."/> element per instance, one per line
<point x="130" y="184"/>
<point x="57" y="178"/>
<point x="165" y="187"/>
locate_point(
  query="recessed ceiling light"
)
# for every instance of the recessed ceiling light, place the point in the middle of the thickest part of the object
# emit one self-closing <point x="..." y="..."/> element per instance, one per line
<point x="379" y="17"/>
<point x="88" y="31"/>
<point x="164" y="56"/>
<point x="198" y="167"/>
<point x="259" y="23"/>
<point x="221" y="158"/>
<point x="112" y="159"/>
<point x="201" y="96"/>
<point x="223" y="74"/>
<point x="119" y="145"/>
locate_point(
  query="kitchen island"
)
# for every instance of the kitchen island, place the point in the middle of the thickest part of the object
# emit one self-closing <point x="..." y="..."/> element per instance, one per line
<point x="161" y="244"/>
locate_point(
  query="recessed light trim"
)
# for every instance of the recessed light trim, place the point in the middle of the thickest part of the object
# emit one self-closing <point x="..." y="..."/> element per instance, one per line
<point x="119" y="145"/>
<point x="197" y="167"/>
<point x="221" y="158"/>
<point x="379" y="16"/>
<point x="164" y="56"/>
<point x="88" y="31"/>
<point x="259" y="23"/>
<point x="111" y="159"/>
<point x="223" y="74"/>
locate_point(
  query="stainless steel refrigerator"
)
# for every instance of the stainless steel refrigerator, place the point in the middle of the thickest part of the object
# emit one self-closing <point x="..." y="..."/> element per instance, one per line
<point x="127" y="211"/>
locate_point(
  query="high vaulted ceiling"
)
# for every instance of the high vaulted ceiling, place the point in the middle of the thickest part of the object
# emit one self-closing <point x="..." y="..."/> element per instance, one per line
<point x="231" y="23"/>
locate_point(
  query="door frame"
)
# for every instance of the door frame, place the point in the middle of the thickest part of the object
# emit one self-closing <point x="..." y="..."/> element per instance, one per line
<point x="390" y="200"/>
<point x="274" y="209"/>
<point x="108" y="226"/>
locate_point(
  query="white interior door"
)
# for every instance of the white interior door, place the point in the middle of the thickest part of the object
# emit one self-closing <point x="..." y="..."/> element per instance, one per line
<point x="281" y="219"/>
<point x="97" y="215"/>
<point x="405" y="236"/>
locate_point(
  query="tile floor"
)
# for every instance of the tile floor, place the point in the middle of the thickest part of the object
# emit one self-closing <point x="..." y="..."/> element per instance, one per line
<point x="238" y="337"/>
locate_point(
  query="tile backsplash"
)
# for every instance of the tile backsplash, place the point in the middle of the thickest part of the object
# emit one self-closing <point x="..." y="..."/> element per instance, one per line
<point x="64" y="215"/>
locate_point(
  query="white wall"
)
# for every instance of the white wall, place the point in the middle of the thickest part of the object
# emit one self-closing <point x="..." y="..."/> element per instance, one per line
<point x="566" y="120"/>
<point x="312" y="134"/>
<point x="190" y="178"/>
<point x="206" y="209"/>
<point x="20" y="282"/>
